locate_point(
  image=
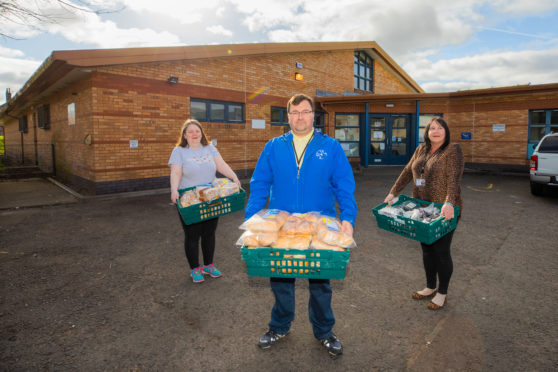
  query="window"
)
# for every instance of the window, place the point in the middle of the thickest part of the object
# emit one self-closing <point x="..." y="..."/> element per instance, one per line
<point x="347" y="132"/>
<point x="541" y="122"/>
<point x="423" y="120"/>
<point x="226" y="112"/>
<point x="23" y="124"/>
<point x="43" y="116"/>
<point x="279" y="116"/>
<point x="363" y="72"/>
<point x="319" y="121"/>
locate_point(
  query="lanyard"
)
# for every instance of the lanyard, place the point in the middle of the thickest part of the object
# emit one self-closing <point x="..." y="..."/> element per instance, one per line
<point x="299" y="160"/>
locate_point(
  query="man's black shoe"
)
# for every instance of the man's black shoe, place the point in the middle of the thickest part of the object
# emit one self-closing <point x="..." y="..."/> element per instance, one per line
<point x="269" y="339"/>
<point x="333" y="345"/>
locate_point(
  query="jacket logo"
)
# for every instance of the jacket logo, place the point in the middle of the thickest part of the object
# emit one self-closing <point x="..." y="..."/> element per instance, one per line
<point x="321" y="154"/>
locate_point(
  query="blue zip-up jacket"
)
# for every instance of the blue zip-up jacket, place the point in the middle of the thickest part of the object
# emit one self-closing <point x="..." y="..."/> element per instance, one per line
<point x="325" y="176"/>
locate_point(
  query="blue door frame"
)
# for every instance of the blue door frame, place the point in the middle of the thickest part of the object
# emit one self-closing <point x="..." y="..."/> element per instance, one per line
<point x="389" y="139"/>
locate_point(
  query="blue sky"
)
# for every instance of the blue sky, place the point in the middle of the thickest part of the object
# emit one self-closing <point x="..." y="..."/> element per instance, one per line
<point x="443" y="45"/>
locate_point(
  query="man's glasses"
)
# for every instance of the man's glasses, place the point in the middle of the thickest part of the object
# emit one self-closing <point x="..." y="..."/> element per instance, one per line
<point x="303" y="113"/>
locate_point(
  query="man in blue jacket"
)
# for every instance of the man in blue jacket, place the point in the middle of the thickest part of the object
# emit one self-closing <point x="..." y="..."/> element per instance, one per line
<point x="303" y="171"/>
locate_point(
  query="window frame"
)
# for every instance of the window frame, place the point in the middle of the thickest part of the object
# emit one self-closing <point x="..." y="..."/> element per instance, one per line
<point x="357" y="126"/>
<point x="226" y="104"/>
<point x="363" y="72"/>
<point x="420" y="139"/>
<point x="282" y="114"/>
<point x="548" y="126"/>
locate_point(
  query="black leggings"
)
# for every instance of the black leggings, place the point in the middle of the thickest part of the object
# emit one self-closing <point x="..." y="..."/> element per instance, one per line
<point x="437" y="262"/>
<point x="192" y="234"/>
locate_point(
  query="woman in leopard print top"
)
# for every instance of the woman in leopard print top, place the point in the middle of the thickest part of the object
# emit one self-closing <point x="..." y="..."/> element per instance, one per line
<point x="436" y="169"/>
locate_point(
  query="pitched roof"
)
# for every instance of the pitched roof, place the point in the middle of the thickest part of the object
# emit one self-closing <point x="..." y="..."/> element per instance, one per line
<point x="62" y="68"/>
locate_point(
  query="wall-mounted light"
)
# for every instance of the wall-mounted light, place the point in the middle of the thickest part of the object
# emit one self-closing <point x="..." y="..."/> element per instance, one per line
<point x="298" y="76"/>
<point x="389" y="104"/>
<point x="172" y="79"/>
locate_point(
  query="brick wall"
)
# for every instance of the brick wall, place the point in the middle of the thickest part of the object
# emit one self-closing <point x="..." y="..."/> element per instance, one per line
<point x="386" y="83"/>
<point x="137" y="103"/>
<point x="476" y="115"/>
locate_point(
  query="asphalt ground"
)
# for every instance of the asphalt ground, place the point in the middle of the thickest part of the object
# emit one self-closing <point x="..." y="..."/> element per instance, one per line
<point x="101" y="283"/>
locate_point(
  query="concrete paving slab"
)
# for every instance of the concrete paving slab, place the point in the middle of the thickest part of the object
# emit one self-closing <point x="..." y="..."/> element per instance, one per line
<point x="33" y="192"/>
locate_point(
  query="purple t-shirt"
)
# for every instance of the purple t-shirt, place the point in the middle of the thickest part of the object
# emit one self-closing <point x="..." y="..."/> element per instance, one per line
<point x="198" y="165"/>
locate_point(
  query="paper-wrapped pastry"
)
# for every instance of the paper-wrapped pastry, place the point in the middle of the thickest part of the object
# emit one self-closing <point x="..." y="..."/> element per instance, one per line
<point x="189" y="198"/>
<point x="297" y="224"/>
<point x="329" y="232"/>
<point x="266" y="220"/>
<point x="257" y="239"/>
<point x="292" y="241"/>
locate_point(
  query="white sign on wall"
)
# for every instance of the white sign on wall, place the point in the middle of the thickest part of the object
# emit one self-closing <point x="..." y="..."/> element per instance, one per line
<point x="133" y="144"/>
<point x="498" y="127"/>
<point x="258" y="124"/>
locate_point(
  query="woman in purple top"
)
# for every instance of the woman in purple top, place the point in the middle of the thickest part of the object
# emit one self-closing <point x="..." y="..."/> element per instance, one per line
<point x="193" y="162"/>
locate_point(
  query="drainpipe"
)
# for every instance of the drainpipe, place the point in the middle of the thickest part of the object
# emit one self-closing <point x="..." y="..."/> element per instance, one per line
<point x="366" y="138"/>
<point x="417" y="125"/>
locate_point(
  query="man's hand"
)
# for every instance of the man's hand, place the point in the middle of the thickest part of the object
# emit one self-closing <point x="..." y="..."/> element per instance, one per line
<point x="347" y="227"/>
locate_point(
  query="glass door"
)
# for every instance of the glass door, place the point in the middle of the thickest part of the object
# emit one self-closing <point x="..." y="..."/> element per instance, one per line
<point x="389" y="136"/>
<point x="378" y="139"/>
<point x="399" y="144"/>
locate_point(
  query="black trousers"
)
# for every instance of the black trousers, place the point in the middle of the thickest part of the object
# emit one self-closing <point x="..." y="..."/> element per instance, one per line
<point x="437" y="263"/>
<point x="205" y="231"/>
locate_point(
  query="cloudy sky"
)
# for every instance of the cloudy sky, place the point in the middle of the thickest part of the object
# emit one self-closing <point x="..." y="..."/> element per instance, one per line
<point x="444" y="45"/>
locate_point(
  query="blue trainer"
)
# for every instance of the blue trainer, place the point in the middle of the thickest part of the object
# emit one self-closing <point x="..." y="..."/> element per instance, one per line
<point x="196" y="275"/>
<point x="211" y="270"/>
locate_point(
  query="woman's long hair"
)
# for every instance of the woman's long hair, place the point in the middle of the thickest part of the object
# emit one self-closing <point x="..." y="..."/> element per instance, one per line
<point x="182" y="142"/>
<point x="442" y="122"/>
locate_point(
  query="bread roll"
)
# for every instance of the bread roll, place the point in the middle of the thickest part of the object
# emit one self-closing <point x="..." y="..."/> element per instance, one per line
<point x="256" y="240"/>
<point x="266" y="220"/>
<point x="329" y="232"/>
<point x="297" y="224"/>
<point x="318" y="244"/>
<point x="292" y="241"/>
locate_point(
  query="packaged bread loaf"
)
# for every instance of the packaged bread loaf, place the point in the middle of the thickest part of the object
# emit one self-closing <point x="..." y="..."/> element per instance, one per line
<point x="200" y="188"/>
<point x="189" y="198"/>
<point x="266" y="220"/>
<point x="209" y="194"/>
<point x="227" y="190"/>
<point x="329" y="232"/>
<point x="220" y="182"/>
<point x="292" y="241"/>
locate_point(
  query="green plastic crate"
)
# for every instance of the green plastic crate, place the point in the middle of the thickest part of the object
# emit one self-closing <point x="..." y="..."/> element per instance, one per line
<point x="295" y="263"/>
<point x="212" y="209"/>
<point x="426" y="233"/>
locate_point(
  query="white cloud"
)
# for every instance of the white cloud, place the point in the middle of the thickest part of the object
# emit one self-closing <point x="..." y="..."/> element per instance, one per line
<point x="219" y="30"/>
<point x="90" y="29"/>
<point x="8" y="52"/>
<point x="14" y="72"/>
<point x="502" y="68"/>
